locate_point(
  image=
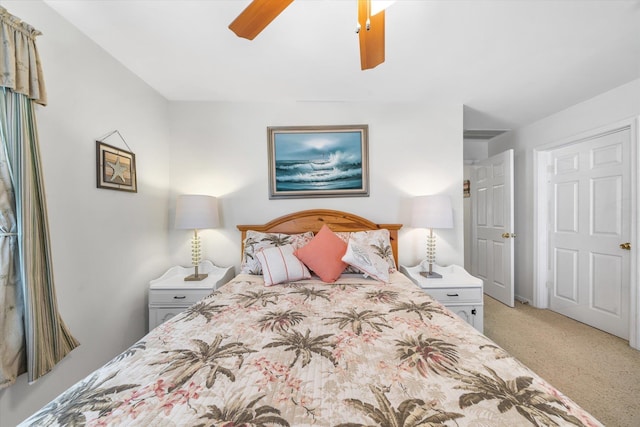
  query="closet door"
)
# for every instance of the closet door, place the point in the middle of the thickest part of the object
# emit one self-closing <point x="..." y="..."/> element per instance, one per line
<point x="590" y="231"/>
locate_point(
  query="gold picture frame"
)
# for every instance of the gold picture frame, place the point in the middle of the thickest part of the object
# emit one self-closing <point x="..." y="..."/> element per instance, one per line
<point x="116" y="168"/>
<point x="318" y="161"/>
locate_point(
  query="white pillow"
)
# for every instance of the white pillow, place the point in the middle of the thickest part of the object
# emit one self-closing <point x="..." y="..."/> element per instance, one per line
<point x="377" y="242"/>
<point x="366" y="260"/>
<point x="280" y="265"/>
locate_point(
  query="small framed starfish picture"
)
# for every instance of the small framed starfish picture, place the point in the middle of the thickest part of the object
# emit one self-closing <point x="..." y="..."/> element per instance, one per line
<point x="116" y="168"/>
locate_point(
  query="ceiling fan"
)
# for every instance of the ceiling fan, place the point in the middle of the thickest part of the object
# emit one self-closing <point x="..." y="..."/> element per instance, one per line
<point x="255" y="18"/>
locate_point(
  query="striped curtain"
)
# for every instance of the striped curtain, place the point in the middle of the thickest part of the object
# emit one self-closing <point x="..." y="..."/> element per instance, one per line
<point x="12" y="352"/>
<point x="33" y="336"/>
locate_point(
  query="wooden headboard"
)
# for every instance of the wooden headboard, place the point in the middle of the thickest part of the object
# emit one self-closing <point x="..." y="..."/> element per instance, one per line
<point x="314" y="219"/>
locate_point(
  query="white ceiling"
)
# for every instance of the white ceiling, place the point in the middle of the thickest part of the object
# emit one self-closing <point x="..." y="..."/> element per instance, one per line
<point x="510" y="62"/>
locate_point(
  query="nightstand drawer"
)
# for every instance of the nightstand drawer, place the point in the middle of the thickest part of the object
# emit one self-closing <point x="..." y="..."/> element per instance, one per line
<point x="456" y="295"/>
<point x="174" y="297"/>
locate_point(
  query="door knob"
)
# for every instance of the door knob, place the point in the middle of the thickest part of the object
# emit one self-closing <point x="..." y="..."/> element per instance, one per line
<point x="626" y="246"/>
<point x="508" y="235"/>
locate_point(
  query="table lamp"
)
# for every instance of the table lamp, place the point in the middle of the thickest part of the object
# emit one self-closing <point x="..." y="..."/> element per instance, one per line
<point x="432" y="212"/>
<point x="194" y="211"/>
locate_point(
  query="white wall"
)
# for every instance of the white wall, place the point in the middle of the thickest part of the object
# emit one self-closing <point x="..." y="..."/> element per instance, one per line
<point x="610" y="107"/>
<point x="475" y="149"/>
<point x="221" y="149"/>
<point x="106" y="244"/>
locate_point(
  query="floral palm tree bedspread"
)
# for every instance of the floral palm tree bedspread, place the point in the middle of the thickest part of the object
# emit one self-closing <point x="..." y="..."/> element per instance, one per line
<point x="353" y="353"/>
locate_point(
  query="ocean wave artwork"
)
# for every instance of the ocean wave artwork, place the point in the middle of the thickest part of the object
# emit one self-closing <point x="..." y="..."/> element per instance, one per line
<point x="337" y="173"/>
<point x="319" y="161"/>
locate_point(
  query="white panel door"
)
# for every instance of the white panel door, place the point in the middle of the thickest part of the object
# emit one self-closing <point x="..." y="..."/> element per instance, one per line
<point x="589" y="188"/>
<point x="492" y="225"/>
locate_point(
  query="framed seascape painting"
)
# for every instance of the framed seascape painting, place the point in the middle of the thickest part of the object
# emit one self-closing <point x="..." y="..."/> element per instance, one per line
<point x="318" y="161"/>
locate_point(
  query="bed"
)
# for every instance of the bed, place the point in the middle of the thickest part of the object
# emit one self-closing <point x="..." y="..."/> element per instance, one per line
<point x="354" y="352"/>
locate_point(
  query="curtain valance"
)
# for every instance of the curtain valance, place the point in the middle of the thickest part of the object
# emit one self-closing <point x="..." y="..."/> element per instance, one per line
<point x="20" y="68"/>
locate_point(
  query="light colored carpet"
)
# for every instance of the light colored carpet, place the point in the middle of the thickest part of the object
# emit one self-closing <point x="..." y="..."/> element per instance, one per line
<point x="598" y="371"/>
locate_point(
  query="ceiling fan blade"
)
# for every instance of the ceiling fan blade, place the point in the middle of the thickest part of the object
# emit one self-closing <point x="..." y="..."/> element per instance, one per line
<point x="257" y="16"/>
<point x="371" y="38"/>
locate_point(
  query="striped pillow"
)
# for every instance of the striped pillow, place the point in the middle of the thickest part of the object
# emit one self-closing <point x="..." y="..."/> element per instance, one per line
<point x="280" y="265"/>
<point x="256" y="240"/>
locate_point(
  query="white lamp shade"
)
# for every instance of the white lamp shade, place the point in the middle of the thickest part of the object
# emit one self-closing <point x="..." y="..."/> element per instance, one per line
<point x="194" y="211"/>
<point x="433" y="211"/>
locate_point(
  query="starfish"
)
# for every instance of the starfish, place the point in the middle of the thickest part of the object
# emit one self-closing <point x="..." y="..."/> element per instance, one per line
<point x="118" y="170"/>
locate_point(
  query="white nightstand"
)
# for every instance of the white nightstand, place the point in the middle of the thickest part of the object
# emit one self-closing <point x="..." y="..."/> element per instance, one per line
<point x="171" y="294"/>
<point x="458" y="290"/>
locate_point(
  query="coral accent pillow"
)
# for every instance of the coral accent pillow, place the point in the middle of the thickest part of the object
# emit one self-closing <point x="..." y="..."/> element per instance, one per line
<point x="367" y="260"/>
<point x="279" y="265"/>
<point x="323" y="255"/>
